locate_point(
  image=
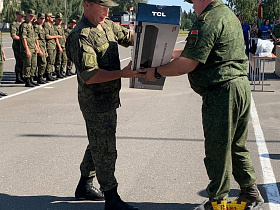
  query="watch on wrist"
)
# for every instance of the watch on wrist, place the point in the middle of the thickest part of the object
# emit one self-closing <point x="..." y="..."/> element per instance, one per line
<point x="157" y="75"/>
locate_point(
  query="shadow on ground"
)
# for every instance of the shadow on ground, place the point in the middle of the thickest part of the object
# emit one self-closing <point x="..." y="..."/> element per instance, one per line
<point x="46" y="202"/>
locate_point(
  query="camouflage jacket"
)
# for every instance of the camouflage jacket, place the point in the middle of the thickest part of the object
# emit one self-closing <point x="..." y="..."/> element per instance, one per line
<point x="276" y="32"/>
<point x="49" y="30"/>
<point x="60" y="31"/>
<point x="90" y="49"/>
<point x="26" y="31"/>
<point x="216" y="42"/>
<point x="15" y="31"/>
<point x="40" y="33"/>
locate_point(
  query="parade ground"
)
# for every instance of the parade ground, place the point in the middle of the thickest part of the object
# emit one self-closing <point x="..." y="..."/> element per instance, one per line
<point x="160" y="143"/>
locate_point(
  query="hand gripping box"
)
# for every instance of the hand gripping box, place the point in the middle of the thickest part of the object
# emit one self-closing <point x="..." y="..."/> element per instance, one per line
<point x="156" y="31"/>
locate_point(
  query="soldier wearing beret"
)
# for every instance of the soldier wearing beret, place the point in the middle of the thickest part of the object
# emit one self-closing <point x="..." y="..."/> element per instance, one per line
<point x="69" y="65"/>
<point x="42" y="53"/>
<point x="61" y="58"/>
<point x="29" y="48"/>
<point x="16" y="46"/>
<point x="93" y="47"/>
<point x="51" y="38"/>
<point x="217" y="65"/>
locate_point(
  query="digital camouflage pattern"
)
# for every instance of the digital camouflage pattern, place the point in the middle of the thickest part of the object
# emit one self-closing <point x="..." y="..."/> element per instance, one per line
<point x="41" y="60"/>
<point x="16" y="47"/>
<point x="276" y="32"/>
<point x="216" y="41"/>
<point x="51" y="46"/>
<point x="106" y="3"/>
<point x="219" y="49"/>
<point x="29" y="63"/>
<point x="91" y="49"/>
<point x="61" y="58"/>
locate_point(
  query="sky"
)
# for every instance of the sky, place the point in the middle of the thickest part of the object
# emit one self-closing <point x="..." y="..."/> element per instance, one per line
<point x="185" y="5"/>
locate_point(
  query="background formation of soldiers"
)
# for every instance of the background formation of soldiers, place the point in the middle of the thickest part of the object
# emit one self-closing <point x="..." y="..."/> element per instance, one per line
<point x="39" y="47"/>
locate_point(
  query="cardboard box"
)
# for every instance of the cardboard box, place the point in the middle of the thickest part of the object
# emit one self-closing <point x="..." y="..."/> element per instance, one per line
<point x="156" y="31"/>
<point x="277" y="62"/>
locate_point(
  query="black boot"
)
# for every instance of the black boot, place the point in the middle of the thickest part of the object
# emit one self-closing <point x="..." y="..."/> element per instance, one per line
<point x="86" y="191"/>
<point x="3" y="94"/>
<point x="68" y="72"/>
<point x="58" y="74"/>
<point x="62" y="73"/>
<point x="18" y="79"/>
<point x="251" y="195"/>
<point x="49" y="77"/>
<point x="41" y="80"/>
<point x="114" y="202"/>
<point x="32" y="81"/>
<point x="28" y="82"/>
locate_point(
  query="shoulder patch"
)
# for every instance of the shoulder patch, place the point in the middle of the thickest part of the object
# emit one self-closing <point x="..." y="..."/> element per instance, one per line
<point x="192" y="40"/>
<point x="202" y="16"/>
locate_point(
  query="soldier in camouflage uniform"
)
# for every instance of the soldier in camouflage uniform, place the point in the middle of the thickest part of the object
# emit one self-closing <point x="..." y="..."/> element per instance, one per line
<point x="93" y="47"/>
<point x="42" y="54"/>
<point x="61" y="58"/>
<point x="51" y="38"/>
<point x="2" y="59"/>
<point x="276" y="33"/>
<point x="69" y="65"/>
<point x="29" y="48"/>
<point x="16" y="46"/>
<point x="217" y="65"/>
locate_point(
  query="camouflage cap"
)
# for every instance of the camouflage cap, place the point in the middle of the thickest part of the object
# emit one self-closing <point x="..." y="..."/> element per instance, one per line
<point x="49" y="15"/>
<point x="106" y="3"/>
<point x="58" y="15"/>
<point x="190" y="1"/>
<point x="31" y="12"/>
<point x="20" y="13"/>
<point x="41" y="15"/>
<point x="72" y="21"/>
<point x="78" y="17"/>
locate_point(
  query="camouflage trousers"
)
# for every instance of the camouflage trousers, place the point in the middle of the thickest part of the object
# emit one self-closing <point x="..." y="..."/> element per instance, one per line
<point x="50" y="60"/>
<point x="29" y="64"/>
<point x="69" y="64"/>
<point x="19" y="61"/>
<point x="42" y="63"/>
<point x="60" y="60"/>
<point x="225" y="114"/>
<point x="1" y="70"/>
<point x="101" y="154"/>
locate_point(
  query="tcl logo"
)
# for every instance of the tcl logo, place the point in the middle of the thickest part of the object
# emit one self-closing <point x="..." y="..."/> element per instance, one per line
<point x="159" y="14"/>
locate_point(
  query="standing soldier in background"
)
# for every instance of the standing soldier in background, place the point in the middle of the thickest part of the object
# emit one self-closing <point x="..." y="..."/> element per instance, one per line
<point x="276" y="33"/>
<point x="2" y="59"/>
<point x="69" y="65"/>
<point x="29" y="48"/>
<point x="42" y="54"/>
<point x="61" y="58"/>
<point x="51" y="45"/>
<point x="16" y="46"/>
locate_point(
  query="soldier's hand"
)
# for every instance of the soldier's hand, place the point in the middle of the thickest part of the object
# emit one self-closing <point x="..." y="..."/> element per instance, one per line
<point x="128" y="73"/>
<point x="40" y="53"/>
<point x="59" y="36"/>
<point x="4" y="57"/>
<point x="60" y="50"/>
<point x="47" y="54"/>
<point x="148" y="74"/>
<point x="28" y="54"/>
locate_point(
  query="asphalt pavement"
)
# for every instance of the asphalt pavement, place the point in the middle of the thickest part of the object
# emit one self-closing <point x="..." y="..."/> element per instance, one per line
<point x="159" y="140"/>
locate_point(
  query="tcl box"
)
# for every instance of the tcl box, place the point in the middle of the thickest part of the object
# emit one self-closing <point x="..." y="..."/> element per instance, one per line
<point x="156" y="31"/>
<point x="277" y="62"/>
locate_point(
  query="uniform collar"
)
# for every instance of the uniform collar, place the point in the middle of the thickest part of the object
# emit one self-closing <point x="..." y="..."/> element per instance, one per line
<point x="85" y="21"/>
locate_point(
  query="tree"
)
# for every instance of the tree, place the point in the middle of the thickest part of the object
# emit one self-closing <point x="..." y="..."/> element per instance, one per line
<point x="124" y="5"/>
<point x="9" y="10"/>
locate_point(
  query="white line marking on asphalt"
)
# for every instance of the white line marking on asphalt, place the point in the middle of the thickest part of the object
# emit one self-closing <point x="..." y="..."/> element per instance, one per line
<point x="268" y="175"/>
<point x="7" y="59"/>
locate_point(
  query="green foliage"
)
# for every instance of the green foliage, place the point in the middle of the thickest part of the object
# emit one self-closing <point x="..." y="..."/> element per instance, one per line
<point x="124" y="5"/>
<point x="187" y="19"/>
<point x="248" y="9"/>
<point x="9" y="11"/>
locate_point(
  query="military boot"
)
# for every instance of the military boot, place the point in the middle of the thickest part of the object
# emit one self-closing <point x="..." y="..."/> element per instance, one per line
<point x="18" y="79"/>
<point x="49" y="77"/>
<point x="41" y="80"/>
<point x="86" y="191"/>
<point x="68" y="72"/>
<point x="3" y="94"/>
<point x="114" y="202"/>
<point x="62" y="72"/>
<point x="251" y="195"/>
<point x="28" y="82"/>
<point x="58" y="74"/>
<point x="33" y="82"/>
